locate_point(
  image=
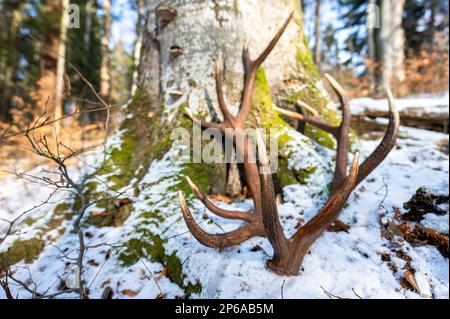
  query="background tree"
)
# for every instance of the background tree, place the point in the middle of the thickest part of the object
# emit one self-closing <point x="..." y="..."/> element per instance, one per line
<point x="86" y="55"/>
<point x="139" y="6"/>
<point x="49" y="48"/>
<point x="384" y="43"/>
<point x="105" y="71"/>
<point x="10" y="21"/>
<point x="317" y="51"/>
<point x="121" y="71"/>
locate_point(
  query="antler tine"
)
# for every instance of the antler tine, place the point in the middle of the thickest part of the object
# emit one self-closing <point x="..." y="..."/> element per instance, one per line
<point x="339" y="90"/>
<point x="251" y="68"/>
<point x="328" y="214"/>
<point x="263" y="56"/>
<point x="218" y="241"/>
<point x="342" y="135"/>
<point x="308" y="108"/>
<point x="203" y="123"/>
<point x="386" y="144"/>
<point x="315" y="121"/>
<point x="221" y="99"/>
<point x="216" y="210"/>
<point x="272" y="225"/>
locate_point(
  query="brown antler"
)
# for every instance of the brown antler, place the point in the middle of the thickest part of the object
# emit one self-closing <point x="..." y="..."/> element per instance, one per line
<point x="254" y="225"/>
<point x="289" y="253"/>
<point x="264" y="220"/>
<point x="341" y="134"/>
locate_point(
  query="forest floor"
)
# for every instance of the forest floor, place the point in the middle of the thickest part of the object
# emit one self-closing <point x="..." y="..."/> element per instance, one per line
<point x="382" y="248"/>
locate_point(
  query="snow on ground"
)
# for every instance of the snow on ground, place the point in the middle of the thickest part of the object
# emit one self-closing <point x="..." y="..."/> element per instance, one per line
<point x="429" y="103"/>
<point x="343" y="264"/>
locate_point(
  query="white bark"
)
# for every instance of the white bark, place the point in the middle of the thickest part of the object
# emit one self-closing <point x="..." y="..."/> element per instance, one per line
<point x="317" y="51"/>
<point x="398" y="40"/>
<point x="137" y="45"/>
<point x="204" y="28"/>
<point x="61" y="65"/>
<point x="391" y="42"/>
<point x="105" y="71"/>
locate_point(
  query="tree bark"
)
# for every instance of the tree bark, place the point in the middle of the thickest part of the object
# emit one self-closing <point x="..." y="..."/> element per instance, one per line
<point x="46" y="95"/>
<point x="398" y="40"/>
<point x="371" y="42"/>
<point x="180" y="47"/>
<point x="202" y="29"/>
<point x="105" y="71"/>
<point x="61" y="66"/>
<point x="432" y="24"/>
<point x="391" y="43"/>
<point x="137" y="45"/>
<point x="9" y="29"/>
<point x="88" y="23"/>
<point x="317" y="51"/>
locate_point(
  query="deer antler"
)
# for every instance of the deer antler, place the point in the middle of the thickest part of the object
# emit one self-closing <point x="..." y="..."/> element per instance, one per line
<point x="264" y="219"/>
<point x="341" y="133"/>
<point x="254" y="225"/>
<point x="289" y="253"/>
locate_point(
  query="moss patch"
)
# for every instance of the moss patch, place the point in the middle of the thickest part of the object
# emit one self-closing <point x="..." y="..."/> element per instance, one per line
<point x="151" y="246"/>
<point x="144" y="139"/>
<point x="285" y="176"/>
<point x="21" y="250"/>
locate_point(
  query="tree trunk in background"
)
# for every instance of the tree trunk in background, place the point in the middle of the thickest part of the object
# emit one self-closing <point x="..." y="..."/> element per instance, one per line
<point x="391" y="43"/>
<point x="137" y="45"/>
<point x="180" y="48"/>
<point x="372" y="17"/>
<point x="9" y="28"/>
<point x="317" y="52"/>
<point x="398" y="40"/>
<point x="88" y="23"/>
<point x="105" y="71"/>
<point x="432" y="24"/>
<point x="61" y="65"/>
<point x="46" y="96"/>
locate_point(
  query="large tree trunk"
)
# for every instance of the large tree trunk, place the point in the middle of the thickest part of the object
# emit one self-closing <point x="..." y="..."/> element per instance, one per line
<point x="180" y="48"/>
<point x="178" y="57"/>
<point x="202" y="29"/>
